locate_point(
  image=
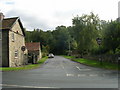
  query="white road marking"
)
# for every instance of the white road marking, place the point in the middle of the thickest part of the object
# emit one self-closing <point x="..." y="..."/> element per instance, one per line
<point x="93" y="75"/>
<point x="24" y="86"/>
<point x="69" y="75"/>
<point x="79" y="75"/>
<point x="87" y="69"/>
<point x="82" y="69"/>
<point x="78" y="68"/>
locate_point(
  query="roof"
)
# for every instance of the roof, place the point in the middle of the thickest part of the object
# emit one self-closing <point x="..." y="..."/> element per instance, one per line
<point x="7" y="23"/>
<point x="33" y="46"/>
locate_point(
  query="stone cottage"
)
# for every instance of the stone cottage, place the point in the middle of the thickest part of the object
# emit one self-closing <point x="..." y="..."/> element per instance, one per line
<point x="34" y="52"/>
<point x="13" y="42"/>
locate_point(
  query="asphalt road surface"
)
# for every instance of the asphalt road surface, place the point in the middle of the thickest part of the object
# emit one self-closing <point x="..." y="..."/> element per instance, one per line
<point x="59" y="72"/>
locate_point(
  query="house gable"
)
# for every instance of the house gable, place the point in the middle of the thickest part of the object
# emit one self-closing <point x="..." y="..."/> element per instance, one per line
<point x="14" y="24"/>
<point x="16" y="28"/>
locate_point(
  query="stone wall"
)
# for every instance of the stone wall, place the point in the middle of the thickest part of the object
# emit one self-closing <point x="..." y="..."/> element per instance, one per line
<point x="15" y="45"/>
<point x="39" y="56"/>
<point x="106" y="58"/>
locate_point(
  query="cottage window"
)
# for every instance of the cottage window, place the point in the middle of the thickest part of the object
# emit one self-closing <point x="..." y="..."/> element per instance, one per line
<point x="13" y="38"/>
<point x="16" y="54"/>
<point x="0" y="35"/>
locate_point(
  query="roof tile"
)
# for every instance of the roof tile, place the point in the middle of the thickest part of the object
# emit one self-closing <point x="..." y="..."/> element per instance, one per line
<point x="8" y="22"/>
<point x="34" y="46"/>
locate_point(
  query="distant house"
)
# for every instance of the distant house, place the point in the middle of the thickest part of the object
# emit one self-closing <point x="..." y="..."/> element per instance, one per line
<point x="34" y="51"/>
<point x="13" y="42"/>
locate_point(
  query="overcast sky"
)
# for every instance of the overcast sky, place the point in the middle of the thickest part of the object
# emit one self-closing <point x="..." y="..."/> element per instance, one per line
<point x="48" y="14"/>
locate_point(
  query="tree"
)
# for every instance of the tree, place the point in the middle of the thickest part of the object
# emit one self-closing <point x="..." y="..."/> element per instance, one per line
<point x="81" y="37"/>
<point x="112" y="36"/>
<point x="61" y="37"/>
<point x="86" y="30"/>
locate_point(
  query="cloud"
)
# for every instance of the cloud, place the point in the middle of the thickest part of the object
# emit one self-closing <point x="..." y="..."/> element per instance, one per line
<point x="10" y="3"/>
<point x="48" y="14"/>
<point x="7" y="2"/>
<point x="29" y="20"/>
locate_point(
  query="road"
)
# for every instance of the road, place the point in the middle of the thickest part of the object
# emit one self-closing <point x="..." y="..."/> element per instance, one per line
<point x="59" y="72"/>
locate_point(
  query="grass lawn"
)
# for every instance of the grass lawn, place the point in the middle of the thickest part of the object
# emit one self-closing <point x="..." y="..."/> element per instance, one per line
<point x="94" y="63"/>
<point x="31" y="66"/>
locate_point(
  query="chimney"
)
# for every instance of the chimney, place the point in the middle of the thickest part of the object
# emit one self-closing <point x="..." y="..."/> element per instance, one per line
<point x="1" y="16"/>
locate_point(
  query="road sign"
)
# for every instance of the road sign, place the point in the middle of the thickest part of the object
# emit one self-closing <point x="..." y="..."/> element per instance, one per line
<point x="23" y="48"/>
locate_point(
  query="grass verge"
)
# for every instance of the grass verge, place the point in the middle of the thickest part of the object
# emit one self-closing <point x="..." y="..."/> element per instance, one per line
<point x="94" y="63"/>
<point x="26" y="67"/>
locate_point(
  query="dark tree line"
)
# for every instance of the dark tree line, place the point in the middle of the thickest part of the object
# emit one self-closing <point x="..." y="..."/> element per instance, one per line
<point x="79" y="38"/>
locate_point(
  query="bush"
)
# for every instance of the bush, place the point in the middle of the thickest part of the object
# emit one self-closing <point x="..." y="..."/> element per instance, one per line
<point x="117" y="51"/>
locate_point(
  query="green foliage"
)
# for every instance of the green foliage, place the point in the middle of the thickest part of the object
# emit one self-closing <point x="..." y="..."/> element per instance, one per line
<point x="111" y="36"/>
<point x="117" y="50"/>
<point x="86" y="31"/>
<point x="45" y="50"/>
<point x="61" y="36"/>
<point x="80" y="37"/>
<point x="26" y="67"/>
<point x="55" y="41"/>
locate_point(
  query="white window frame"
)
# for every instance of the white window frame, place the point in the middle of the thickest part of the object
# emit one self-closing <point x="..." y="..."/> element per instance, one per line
<point x="13" y="37"/>
<point x="16" y="54"/>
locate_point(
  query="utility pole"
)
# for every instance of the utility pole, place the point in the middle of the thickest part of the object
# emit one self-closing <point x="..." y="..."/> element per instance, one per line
<point x="99" y="41"/>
